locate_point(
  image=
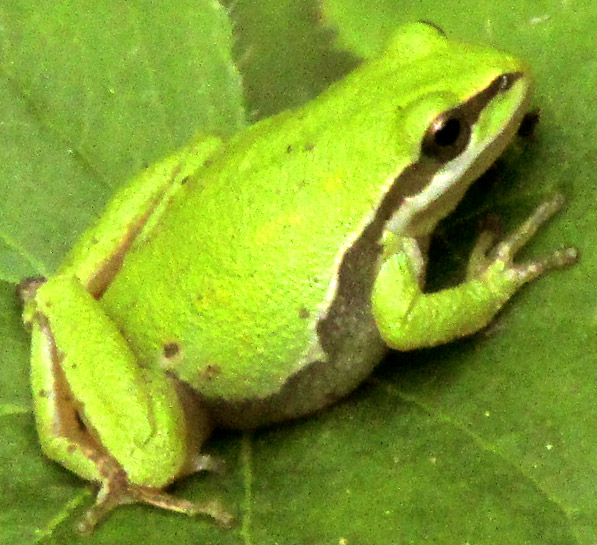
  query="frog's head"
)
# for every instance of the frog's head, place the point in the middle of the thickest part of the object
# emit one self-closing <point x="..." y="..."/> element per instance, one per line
<point x="464" y="105"/>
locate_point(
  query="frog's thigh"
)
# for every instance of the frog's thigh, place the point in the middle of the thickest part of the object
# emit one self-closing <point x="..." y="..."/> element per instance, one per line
<point x="407" y="318"/>
<point x="84" y="371"/>
<point x="56" y="418"/>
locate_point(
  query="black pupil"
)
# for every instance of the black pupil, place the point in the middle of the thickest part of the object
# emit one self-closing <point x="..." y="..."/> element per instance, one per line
<point x="448" y="134"/>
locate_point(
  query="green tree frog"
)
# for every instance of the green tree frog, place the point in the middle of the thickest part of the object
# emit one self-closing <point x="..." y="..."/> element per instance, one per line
<point x="243" y="283"/>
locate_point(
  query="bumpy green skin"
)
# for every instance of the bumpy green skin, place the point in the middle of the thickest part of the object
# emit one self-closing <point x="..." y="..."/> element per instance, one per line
<point x="244" y="263"/>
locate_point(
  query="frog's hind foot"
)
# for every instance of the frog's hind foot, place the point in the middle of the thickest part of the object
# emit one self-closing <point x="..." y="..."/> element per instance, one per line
<point x="116" y="491"/>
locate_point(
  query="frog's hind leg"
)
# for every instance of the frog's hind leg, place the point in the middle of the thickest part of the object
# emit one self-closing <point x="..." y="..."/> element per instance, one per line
<point x="131" y="214"/>
<point x="101" y="414"/>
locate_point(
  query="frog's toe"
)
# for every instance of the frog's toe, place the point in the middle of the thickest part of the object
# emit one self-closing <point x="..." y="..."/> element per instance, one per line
<point x="510" y="246"/>
<point x="501" y="257"/>
<point x="558" y="259"/>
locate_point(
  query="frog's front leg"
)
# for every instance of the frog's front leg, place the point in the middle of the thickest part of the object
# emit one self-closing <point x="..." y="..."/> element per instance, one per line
<point x="103" y="414"/>
<point x="408" y="319"/>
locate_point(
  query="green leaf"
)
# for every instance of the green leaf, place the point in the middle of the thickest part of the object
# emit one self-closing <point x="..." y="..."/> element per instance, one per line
<point x="286" y="57"/>
<point x="90" y="95"/>
<point x="490" y="440"/>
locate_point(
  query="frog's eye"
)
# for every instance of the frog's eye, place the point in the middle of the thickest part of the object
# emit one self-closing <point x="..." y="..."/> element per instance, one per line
<point x="447" y="136"/>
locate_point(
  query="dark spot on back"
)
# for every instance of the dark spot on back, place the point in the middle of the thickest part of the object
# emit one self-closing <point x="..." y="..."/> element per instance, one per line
<point x="210" y="372"/>
<point x="171" y="350"/>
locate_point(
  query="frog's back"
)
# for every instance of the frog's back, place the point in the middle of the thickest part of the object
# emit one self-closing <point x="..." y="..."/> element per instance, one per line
<point x="255" y="286"/>
<point x="245" y="264"/>
<point x="250" y="275"/>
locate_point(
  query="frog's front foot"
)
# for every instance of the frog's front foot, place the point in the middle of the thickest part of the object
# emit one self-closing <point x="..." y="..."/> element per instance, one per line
<point x="116" y="490"/>
<point x="407" y="318"/>
<point x="499" y="260"/>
